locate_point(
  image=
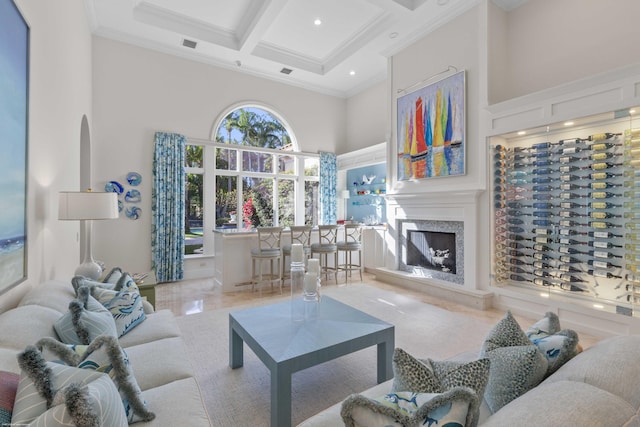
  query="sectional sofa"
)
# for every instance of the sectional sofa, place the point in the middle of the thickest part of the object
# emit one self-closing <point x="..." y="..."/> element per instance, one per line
<point x="155" y="349"/>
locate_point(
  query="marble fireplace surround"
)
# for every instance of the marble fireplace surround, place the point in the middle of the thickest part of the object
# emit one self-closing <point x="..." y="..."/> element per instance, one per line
<point x="456" y="211"/>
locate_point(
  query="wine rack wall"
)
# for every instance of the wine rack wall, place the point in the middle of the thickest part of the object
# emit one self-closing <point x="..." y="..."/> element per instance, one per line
<point x="567" y="215"/>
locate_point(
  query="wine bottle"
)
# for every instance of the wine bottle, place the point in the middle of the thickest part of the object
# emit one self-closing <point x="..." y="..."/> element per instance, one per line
<point x="602" y="185"/>
<point x="514" y="212"/>
<point x="518" y="174"/>
<point x="541" y="273"/>
<point x="542" y="214"/>
<point x="603" y="175"/>
<point x="632" y="184"/>
<point x="568" y="196"/>
<point x="516" y="254"/>
<point x="603" y="156"/>
<point x="541" y="248"/>
<point x="632" y="278"/>
<point x="601" y="264"/>
<point x="543" y="145"/>
<point x="518" y="181"/>
<point x="516" y="261"/>
<point x="566" y="241"/>
<point x="632" y="247"/>
<point x="519" y="270"/>
<point x="632" y="236"/>
<point x="517" y="237"/>
<point x="519" y="278"/>
<point x="571" y="223"/>
<point x="573" y="287"/>
<point x="542" y="188"/>
<point x="604" y="165"/>
<point x="603" y="195"/>
<point x="541" y="179"/>
<point x="543" y="240"/>
<point x="570" y="141"/>
<point x="542" y="171"/>
<point x="603" y="224"/>
<point x="569" y="159"/>
<point x="570" y="177"/>
<point x="602" y="136"/>
<point x="603" y="234"/>
<point x="544" y="162"/>
<point x="605" y="274"/>
<point x="542" y="231"/>
<point x="542" y="205"/>
<point x="570" y="186"/>
<point x="632" y="257"/>
<point x="571" y="150"/>
<point x="568" y="268"/>
<point x="516" y="229"/>
<point x="603" y="245"/>
<point x="632" y="225"/>
<point x="542" y="256"/>
<point x="515" y="221"/>
<point x="570" y="214"/>
<point x="571" y="168"/>
<point x="571" y="205"/>
<point x="571" y="278"/>
<point x="632" y="194"/>
<point x="603" y="254"/>
<point x="572" y="251"/>
<point x="569" y="259"/>
<point x="605" y="215"/>
<point x="570" y="232"/>
<point x="543" y="222"/>
<point x="542" y="282"/>
<point x="632" y="173"/>
<point x="603" y="146"/>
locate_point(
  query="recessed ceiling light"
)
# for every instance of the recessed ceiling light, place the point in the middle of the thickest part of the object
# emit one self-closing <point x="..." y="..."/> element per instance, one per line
<point x="522" y="132"/>
<point x="189" y="43"/>
<point x="568" y="123"/>
<point x="317" y="22"/>
<point x="393" y="35"/>
<point x="286" y="70"/>
<point x="352" y="73"/>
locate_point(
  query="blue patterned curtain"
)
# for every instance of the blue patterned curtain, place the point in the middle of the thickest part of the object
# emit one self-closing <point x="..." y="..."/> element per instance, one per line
<point x="167" y="206"/>
<point x="328" y="184"/>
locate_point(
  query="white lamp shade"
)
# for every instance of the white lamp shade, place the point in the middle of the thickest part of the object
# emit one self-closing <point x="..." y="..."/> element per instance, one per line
<point x="345" y="194"/>
<point x="79" y="205"/>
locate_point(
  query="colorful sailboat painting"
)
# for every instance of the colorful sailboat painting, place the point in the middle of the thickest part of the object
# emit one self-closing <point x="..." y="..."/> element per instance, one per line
<point x="431" y="130"/>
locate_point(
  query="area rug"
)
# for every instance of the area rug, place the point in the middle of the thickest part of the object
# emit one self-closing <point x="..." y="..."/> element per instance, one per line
<point x="241" y="397"/>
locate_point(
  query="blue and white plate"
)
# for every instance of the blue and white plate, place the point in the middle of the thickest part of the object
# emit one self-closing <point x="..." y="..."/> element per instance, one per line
<point x="133" y="212"/>
<point x="132" y="196"/>
<point x="113" y="187"/>
<point x="134" y="178"/>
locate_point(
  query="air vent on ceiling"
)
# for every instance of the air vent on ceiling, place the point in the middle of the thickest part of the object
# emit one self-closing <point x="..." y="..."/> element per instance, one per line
<point x="286" y="70"/>
<point x="189" y="43"/>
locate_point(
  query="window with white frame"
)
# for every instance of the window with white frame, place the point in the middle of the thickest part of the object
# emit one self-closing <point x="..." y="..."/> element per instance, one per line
<point x="256" y="175"/>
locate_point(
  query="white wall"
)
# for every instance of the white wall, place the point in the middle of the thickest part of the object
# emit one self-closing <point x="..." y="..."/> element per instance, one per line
<point x="367" y="119"/>
<point x="551" y="42"/>
<point x="59" y="95"/>
<point x="138" y="92"/>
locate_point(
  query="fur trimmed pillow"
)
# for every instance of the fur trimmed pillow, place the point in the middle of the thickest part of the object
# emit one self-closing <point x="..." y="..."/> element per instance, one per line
<point x="558" y="346"/>
<point x="85" y="320"/>
<point x="407" y="409"/>
<point x="105" y="355"/>
<point x="57" y="395"/>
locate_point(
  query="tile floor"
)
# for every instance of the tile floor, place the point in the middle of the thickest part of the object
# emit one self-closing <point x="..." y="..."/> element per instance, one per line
<point x="194" y="296"/>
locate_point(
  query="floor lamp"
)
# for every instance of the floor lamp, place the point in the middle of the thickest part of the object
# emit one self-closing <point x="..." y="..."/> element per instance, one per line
<point x="85" y="207"/>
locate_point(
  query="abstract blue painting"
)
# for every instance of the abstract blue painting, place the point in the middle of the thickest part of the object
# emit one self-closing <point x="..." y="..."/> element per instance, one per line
<point x="14" y="96"/>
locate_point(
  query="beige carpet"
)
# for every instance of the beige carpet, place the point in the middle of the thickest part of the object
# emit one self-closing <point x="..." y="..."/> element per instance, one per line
<point x="240" y="397"/>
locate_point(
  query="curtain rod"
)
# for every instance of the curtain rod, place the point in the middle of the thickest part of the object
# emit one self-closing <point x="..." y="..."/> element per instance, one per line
<point x="449" y="68"/>
<point x="200" y="141"/>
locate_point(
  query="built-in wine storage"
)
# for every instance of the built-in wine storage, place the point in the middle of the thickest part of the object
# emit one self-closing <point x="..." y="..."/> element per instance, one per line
<point x="566" y="212"/>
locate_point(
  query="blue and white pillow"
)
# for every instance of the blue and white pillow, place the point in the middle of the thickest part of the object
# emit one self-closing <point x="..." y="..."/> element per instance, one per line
<point x="409" y="409"/>
<point x="85" y="320"/>
<point x="558" y="346"/>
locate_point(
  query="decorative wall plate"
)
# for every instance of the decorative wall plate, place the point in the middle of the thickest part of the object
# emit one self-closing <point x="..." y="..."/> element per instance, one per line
<point x="133" y="212"/>
<point x="134" y="178"/>
<point x="132" y="196"/>
<point x="113" y="187"/>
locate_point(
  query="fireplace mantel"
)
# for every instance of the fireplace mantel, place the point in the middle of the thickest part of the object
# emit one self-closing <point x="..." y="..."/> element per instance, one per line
<point x="452" y="205"/>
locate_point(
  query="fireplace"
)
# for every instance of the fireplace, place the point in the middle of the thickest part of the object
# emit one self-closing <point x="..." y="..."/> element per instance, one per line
<point x="432" y="249"/>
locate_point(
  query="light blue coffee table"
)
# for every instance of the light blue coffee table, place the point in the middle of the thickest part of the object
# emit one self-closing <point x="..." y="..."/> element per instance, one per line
<point x="285" y="346"/>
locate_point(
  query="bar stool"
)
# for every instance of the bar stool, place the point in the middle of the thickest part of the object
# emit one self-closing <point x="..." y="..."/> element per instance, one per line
<point x="268" y="250"/>
<point x="299" y="234"/>
<point x="327" y="245"/>
<point x="352" y="243"/>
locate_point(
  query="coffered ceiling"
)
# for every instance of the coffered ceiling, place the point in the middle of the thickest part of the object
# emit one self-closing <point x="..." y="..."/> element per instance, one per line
<point x="341" y="55"/>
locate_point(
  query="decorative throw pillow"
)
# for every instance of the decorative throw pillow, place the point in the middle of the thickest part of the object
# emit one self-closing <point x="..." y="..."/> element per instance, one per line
<point x="113" y="276"/>
<point x="85" y="320"/>
<point x="105" y="355"/>
<point x="428" y="376"/>
<point x="516" y="364"/>
<point x="57" y="395"/>
<point x="558" y="346"/>
<point x="408" y="409"/>
<point x="8" y="389"/>
<point x="79" y="281"/>
<point x="124" y="302"/>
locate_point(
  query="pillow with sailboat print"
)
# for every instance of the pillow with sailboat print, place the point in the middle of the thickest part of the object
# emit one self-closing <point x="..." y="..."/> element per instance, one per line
<point x="558" y="345"/>
<point x="124" y="302"/>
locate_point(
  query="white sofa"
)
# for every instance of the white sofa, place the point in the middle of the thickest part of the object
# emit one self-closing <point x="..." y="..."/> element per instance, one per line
<point x="598" y="387"/>
<point x="156" y="351"/>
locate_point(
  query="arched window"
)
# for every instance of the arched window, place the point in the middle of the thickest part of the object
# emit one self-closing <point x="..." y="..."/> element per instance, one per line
<point x="259" y="177"/>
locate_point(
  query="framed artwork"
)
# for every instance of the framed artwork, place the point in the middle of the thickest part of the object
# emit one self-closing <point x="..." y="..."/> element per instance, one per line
<point x="14" y="96"/>
<point x="431" y="130"/>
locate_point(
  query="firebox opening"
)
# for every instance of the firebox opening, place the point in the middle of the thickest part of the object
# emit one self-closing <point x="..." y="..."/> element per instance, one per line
<point x="432" y="250"/>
